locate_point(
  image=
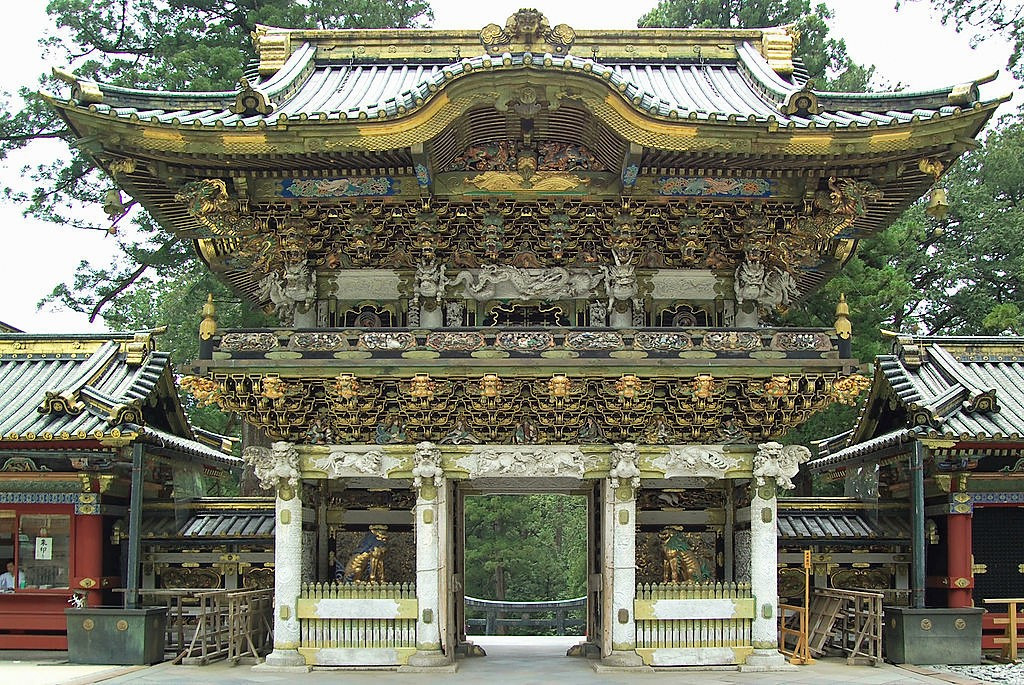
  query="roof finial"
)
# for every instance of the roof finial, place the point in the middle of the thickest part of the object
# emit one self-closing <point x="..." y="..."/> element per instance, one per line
<point x="843" y="327"/>
<point x="208" y="326"/>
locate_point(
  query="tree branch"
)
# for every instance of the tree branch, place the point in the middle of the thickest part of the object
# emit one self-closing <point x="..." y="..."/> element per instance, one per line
<point x="121" y="287"/>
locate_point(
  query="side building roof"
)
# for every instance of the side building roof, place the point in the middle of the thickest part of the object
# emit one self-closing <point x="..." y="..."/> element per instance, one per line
<point x="106" y="391"/>
<point x="952" y="389"/>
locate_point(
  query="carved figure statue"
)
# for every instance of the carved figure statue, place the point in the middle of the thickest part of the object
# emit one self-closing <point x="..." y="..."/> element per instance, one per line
<point x="770" y="288"/>
<point x="679" y="563"/>
<point x="366" y="565"/>
<point x="430" y="281"/>
<point x="453" y="313"/>
<point x="772" y="460"/>
<point x="427" y="464"/>
<point x="525" y="433"/>
<point x="296" y="287"/>
<point x="625" y="465"/>
<point x="273" y="465"/>
<point x="620" y="279"/>
<point x="460" y="434"/>
<point x="390" y="432"/>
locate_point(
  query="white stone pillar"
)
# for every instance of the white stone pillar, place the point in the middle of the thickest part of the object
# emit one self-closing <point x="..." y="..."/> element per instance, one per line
<point x="620" y="554"/>
<point x="764" y="566"/>
<point x="773" y="465"/>
<point x="431" y="508"/>
<point x="280" y="467"/>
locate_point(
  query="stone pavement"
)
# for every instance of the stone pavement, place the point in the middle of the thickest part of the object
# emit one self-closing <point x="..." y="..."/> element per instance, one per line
<point x="509" y="661"/>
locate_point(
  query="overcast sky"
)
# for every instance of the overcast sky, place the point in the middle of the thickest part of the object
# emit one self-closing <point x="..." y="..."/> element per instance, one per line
<point x="909" y="47"/>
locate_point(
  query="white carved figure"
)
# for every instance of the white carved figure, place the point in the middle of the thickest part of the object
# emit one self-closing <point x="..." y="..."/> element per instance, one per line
<point x="280" y="462"/>
<point x="625" y="465"/>
<point x="772" y="460"/>
<point x="427" y="464"/>
<point x="620" y="279"/>
<point x="558" y="283"/>
<point x="430" y="281"/>
<point x="749" y="280"/>
<point x="598" y="311"/>
<point x="769" y="288"/>
<point x="694" y="458"/>
<point x="530" y="462"/>
<point x="342" y="462"/>
<point x="295" y="288"/>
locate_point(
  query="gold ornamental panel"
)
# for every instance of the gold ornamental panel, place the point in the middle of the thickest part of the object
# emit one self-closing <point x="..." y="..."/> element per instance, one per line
<point x="517" y="409"/>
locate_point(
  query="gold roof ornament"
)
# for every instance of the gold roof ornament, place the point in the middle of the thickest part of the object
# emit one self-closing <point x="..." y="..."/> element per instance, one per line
<point x="208" y="326"/>
<point x="843" y="327"/>
<point x="250" y="101"/>
<point x="938" y="203"/>
<point x="527" y="30"/>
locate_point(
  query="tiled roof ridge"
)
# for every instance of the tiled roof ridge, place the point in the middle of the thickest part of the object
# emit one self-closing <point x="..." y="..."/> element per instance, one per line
<point x="979" y="396"/>
<point x="301" y="64"/>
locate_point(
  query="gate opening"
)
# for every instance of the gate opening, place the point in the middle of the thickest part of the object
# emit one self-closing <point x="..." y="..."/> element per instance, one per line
<point x="525" y="565"/>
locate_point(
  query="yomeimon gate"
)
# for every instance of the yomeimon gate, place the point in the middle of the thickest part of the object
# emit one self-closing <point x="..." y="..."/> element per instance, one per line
<point x="525" y="259"/>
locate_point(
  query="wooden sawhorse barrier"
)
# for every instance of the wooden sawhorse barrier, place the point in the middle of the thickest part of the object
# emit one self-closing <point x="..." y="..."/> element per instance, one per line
<point x="1013" y="622"/>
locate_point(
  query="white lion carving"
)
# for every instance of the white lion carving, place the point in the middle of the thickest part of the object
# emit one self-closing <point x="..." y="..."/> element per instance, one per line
<point x="772" y="460"/>
<point x="273" y="465"/>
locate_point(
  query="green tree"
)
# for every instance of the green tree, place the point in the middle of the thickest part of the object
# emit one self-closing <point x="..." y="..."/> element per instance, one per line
<point x="987" y="17"/>
<point x="824" y="58"/>
<point x="526" y="547"/>
<point x="159" y="44"/>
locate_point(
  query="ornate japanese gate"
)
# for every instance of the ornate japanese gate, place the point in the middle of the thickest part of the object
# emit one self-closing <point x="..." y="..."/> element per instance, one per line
<point x="551" y="259"/>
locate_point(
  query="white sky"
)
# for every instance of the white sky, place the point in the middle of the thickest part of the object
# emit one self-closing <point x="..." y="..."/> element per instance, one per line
<point x="908" y="47"/>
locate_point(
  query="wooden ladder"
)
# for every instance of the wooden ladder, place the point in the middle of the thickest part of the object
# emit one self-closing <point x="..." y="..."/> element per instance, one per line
<point x="821" y="618"/>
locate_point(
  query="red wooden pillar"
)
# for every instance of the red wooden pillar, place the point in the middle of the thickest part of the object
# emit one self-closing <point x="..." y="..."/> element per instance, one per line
<point x="87" y="567"/>
<point x="959" y="560"/>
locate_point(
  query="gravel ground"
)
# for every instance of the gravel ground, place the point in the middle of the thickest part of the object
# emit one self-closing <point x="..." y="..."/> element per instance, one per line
<point x="1011" y="674"/>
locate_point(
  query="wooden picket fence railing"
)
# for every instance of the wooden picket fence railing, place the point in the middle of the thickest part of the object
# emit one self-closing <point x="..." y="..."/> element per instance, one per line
<point x="340" y="622"/>
<point x="556" y="617"/>
<point x="693" y="617"/>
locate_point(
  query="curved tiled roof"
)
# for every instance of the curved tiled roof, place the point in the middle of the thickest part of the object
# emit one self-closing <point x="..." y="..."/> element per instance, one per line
<point x="71" y="388"/>
<point x="951" y="388"/>
<point x="744" y="90"/>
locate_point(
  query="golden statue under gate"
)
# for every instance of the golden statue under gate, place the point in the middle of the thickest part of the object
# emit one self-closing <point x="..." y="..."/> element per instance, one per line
<point x="679" y="562"/>
<point x="366" y="565"/>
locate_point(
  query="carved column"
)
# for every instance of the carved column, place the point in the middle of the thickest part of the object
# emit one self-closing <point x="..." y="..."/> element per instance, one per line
<point x="431" y="520"/>
<point x="763" y="567"/>
<point x="774" y="465"/>
<point x="278" y="468"/>
<point x="620" y="556"/>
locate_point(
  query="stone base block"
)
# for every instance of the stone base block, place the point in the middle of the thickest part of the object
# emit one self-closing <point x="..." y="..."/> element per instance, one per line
<point x="429" y="662"/>
<point x="470" y="649"/>
<point x="764" y="660"/>
<point x="621" y="662"/>
<point x="284" y="661"/>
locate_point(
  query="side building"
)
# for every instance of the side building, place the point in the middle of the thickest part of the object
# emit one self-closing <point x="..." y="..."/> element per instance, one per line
<point x="940" y="436"/>
<point x="525" y="258"/>
<point x="77" y="412"/>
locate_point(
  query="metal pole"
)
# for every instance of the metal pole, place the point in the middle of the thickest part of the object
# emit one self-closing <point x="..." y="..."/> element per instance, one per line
<point x="917" y="457"/>
<point x="131" y="597"/>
